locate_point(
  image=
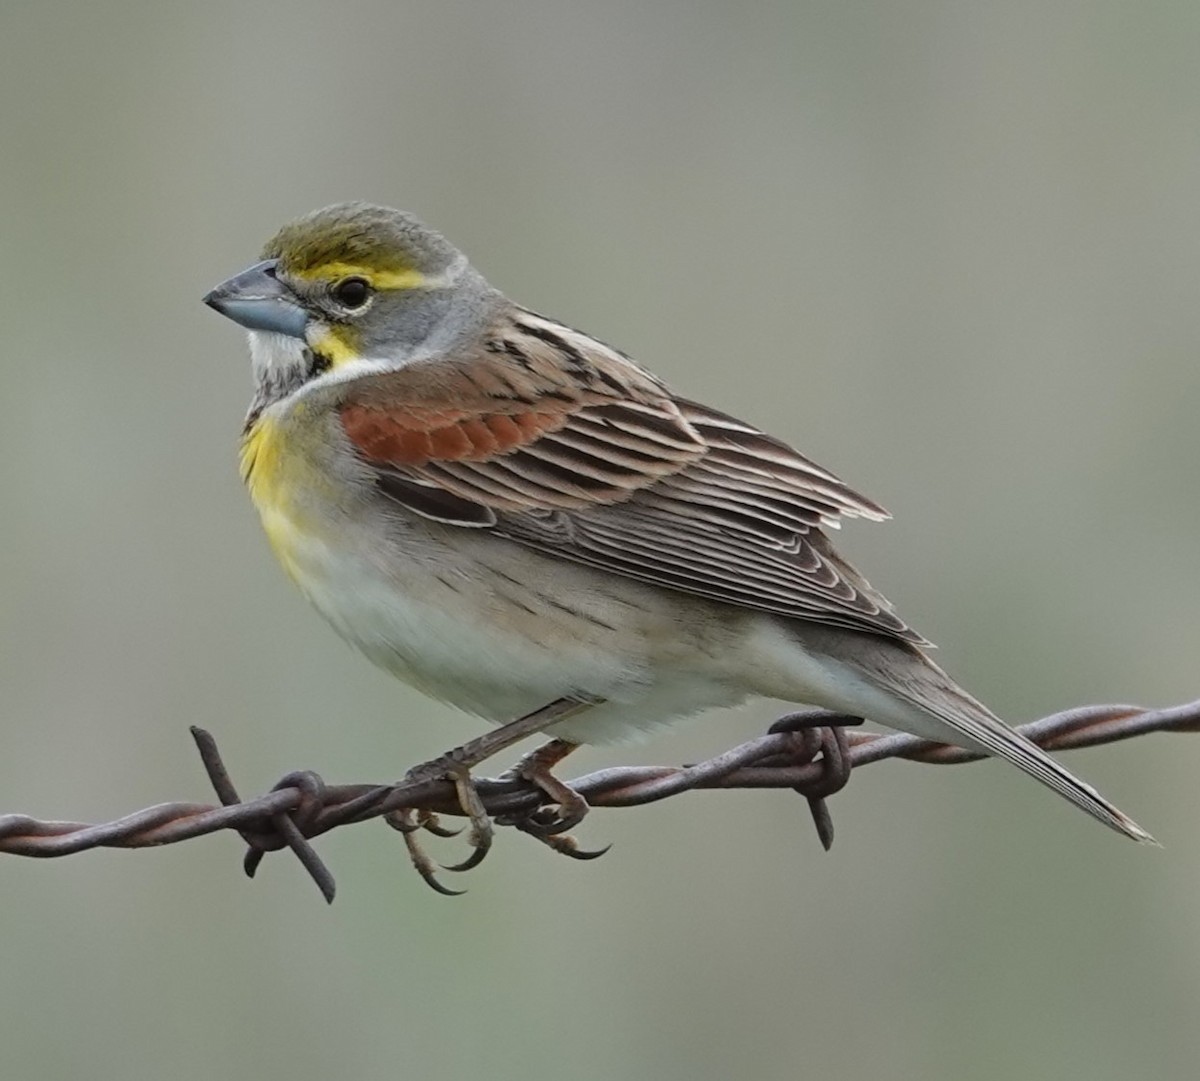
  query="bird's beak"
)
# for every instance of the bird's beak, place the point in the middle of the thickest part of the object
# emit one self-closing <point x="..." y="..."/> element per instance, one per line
<point x="258" y="300"/>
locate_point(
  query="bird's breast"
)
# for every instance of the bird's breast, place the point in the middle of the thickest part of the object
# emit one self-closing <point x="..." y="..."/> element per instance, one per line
<point x="280" y="477"/>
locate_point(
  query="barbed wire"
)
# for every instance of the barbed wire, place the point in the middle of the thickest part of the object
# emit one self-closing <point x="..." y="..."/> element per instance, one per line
<point x="811" y="752"/>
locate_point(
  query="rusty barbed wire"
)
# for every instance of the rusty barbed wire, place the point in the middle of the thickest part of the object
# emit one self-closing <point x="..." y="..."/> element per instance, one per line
<point x="810" y="752"/>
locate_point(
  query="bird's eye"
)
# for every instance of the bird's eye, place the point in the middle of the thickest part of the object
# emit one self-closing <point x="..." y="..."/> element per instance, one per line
<point x="352" y="292"/>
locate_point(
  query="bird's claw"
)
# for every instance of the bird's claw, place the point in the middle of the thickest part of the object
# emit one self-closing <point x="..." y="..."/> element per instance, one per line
<point x="407" y="824"/>
<point x="479" y="829"/>
<point x="428" y="820"/>
<point x="562" y="843"/>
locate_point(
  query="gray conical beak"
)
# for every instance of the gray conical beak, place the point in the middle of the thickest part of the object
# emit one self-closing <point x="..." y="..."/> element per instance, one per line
<point x="258" y="300"/>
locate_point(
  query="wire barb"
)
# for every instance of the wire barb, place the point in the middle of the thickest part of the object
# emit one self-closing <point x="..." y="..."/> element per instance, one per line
<point x="809" y="752"/>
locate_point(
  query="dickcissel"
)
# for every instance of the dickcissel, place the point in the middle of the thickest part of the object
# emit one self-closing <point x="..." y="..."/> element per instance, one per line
<point x="519" y="520"/>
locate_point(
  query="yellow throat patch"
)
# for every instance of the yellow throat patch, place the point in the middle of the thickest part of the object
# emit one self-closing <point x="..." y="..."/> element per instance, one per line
<point x="274" y="474"/>
<point x="339" y="345"/>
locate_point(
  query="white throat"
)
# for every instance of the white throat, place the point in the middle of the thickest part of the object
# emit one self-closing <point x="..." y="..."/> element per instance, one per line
<point x="276" y="358"/>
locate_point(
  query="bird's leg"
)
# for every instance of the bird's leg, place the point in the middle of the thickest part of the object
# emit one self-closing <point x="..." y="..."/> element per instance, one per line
<point x="470" y="754"/>
<point x="456" y="766"/>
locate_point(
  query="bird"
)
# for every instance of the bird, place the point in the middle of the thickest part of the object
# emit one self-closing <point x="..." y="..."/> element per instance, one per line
<point x="519" y="520"/>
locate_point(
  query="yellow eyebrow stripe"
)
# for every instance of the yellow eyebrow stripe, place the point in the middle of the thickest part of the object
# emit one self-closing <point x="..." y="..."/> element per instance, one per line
<point x="378" y="279"/>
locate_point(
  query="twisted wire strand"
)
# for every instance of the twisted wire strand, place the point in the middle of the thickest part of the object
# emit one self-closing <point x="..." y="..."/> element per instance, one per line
<point x="301" y="806"/>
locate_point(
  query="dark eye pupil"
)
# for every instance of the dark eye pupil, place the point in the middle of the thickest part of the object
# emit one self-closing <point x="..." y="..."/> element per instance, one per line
<point x="352" y="292"/>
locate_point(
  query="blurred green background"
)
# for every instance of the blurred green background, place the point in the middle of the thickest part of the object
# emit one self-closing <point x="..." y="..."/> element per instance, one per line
<point x="951" y="250"/>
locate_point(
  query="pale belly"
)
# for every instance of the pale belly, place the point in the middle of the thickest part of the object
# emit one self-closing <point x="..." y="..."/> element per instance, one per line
<point x="464" y="634"/>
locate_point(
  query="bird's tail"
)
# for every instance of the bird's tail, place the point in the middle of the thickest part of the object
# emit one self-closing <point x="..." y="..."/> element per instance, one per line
<point x="917" y="696"/>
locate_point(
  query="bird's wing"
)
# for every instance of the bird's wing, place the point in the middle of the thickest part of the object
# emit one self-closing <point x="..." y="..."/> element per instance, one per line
<point x="551" y="440"/>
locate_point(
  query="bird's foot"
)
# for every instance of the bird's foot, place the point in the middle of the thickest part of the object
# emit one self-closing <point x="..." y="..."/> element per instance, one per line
<point x="410" y="822"/>
<point x="565" y="809"/>
<point x="546" y="822"/>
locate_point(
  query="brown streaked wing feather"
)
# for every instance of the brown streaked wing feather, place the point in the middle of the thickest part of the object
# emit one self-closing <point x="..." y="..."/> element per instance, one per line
<point x="808" y="582"/>
<point x="575" y="452"/>
<point x="745" y="455"/>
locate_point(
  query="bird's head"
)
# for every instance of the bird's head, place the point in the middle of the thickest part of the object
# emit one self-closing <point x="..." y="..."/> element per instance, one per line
<point x="348" y="289"/>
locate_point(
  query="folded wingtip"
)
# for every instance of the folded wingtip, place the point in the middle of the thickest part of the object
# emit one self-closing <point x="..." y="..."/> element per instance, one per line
<point x="1131" y="829"/>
